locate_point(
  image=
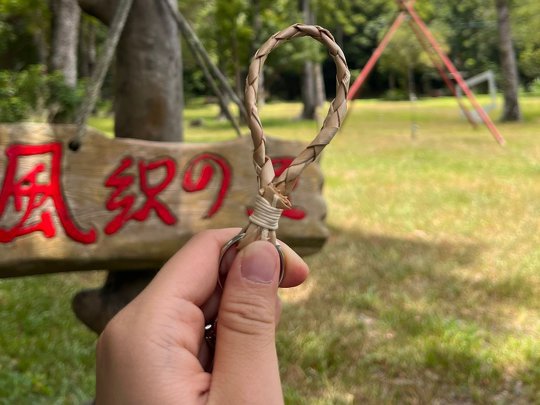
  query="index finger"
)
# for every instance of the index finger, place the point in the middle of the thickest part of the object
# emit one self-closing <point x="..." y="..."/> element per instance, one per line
<point x="191" y="274"/>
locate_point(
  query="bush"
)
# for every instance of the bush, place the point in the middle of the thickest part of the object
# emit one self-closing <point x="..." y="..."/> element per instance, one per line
<point x="33" y="92"/>
<point x="63" y="101"/>
<point x="534" y="88"/>
<point x="12" y="106"/>
<point x="396" y="95"/>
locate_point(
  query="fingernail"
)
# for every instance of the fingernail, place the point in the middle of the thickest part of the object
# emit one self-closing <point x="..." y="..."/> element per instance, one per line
<point x="259" y="263"/>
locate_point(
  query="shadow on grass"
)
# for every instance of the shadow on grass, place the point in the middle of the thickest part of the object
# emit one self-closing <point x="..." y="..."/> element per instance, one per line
<point x="389" y="319"/>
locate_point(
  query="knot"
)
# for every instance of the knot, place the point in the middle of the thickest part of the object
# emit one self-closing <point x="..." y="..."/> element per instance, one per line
<point x="264" y="215"/>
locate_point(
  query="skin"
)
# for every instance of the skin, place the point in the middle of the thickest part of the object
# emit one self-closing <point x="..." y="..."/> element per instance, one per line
<point x="153" y="351"/>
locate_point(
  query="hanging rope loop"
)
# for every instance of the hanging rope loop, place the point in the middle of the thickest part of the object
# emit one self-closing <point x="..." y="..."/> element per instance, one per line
<point x="96" y="81"/>
<point x="275" y="190"/>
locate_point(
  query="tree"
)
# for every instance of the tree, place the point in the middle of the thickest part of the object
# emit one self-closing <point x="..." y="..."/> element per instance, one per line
<point x="403" y="56"/>
<point x="148" y="88"/>
<point x="312" y="85"/>
<point x="87" y="46"/>
<point x="469" y="29"/>
<point x="232" y="35"/>
<point x="148" y="105"/>
<point x="257" y="24"/>
<point x="24" y="32"/>
<point x="65" y="33"/>
<point x="511" y="111"/>
<point x="527" y="38"/>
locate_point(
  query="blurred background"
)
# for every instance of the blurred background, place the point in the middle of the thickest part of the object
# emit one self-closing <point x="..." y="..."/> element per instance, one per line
<point x="428" y="288"/>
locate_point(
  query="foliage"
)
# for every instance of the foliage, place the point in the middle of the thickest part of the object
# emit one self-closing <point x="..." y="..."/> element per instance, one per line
<point x="232" y="39"/>
<point x="34" y="93"/>
<point x="12" y="107"/>
<point x="230" y="33"/>
<point x="24" y="29"/>
<point x="527" y="38"/>
<point x="470" y="30"/>
<point x="535" y="87"/>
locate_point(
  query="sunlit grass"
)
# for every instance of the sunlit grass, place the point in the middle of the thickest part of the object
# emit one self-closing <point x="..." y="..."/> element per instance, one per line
<point x="428" y="289"/>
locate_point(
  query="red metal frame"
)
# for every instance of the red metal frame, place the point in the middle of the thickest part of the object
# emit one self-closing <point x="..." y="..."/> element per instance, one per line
<point x="370" y="64"/>
<point x="434" y="50"/>
<point x="442" y="73"/>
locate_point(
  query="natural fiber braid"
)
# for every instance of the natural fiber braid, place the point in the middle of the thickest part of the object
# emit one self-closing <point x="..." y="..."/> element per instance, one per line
<point x="275" y="190"/>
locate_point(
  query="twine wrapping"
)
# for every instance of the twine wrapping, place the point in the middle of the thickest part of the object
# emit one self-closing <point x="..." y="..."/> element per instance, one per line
<point x="275" y="190"/>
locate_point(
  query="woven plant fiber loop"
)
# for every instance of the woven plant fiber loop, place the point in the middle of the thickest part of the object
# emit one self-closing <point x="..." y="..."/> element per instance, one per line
<point x="275" y="190"/>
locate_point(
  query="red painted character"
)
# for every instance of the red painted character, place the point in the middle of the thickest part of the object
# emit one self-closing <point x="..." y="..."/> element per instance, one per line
<point x="30" y="195"/>
<point x="122" y="181"/>
<point x="208" y="164"/>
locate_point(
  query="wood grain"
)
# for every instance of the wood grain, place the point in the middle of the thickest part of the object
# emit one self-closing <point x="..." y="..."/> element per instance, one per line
<point x="147" y="243"/>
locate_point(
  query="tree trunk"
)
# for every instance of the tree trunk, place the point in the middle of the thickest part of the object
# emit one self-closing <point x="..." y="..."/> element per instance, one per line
<point x="411" y="85"/>
<point x="255" y="44"/>
<point x="236" y="64"/>
<point x="222" y="113"/>
<point x="309" y="110"/>
<point x="148" y="105"/>
<point x="320" y="91"/>
<point x="391" y="81"/>
<point x="87" y="48"/>
<point x="65" y="32"/>
<point x="42" y="46"/>
<point x="310" y="96"/>
<point x="148" y="89"/>
<point x="511" y="111"/>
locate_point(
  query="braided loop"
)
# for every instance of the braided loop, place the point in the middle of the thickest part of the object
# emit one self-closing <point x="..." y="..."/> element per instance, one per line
<point x="275" y="190"/>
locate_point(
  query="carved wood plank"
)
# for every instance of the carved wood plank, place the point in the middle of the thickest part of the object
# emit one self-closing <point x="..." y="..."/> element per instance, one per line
<point x="130" y="204"/>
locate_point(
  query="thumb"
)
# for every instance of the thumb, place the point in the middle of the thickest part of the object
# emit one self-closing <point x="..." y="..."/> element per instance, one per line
<point x="245" y="364"/>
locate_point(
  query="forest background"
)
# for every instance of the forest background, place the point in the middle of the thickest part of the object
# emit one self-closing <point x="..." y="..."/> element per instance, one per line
<point x="48" y="49"/>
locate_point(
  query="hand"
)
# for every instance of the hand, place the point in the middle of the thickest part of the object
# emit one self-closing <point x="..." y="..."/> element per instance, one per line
<point x="152" y="352"/>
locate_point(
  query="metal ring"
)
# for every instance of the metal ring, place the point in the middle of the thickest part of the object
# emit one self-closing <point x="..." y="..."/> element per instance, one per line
<point x="232" y="243"/>
<point x="210" y="330"/>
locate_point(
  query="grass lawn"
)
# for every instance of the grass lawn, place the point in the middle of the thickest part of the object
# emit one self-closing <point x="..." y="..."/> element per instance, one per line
<point x="427" y="291"/>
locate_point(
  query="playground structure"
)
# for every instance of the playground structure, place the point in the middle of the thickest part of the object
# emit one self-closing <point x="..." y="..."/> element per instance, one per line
<point x="485" y="77"/>
<point x="440" y="60"/>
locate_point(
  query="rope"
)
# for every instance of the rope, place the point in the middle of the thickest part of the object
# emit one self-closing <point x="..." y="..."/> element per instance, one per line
<point x="264" y="215"/>
<point x="275" y="190"/>
<point x="207" y="66"/>
<point x="96" y="81"/>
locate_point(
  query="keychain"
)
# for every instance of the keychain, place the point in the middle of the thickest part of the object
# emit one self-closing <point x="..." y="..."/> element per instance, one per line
<point x="272" y="196"/>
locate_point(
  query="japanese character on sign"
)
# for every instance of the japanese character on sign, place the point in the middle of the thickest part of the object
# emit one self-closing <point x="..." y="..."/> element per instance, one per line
<point x="122" y="181"/>
<point x="208" y="163"/>
<point x="30" y="195"/>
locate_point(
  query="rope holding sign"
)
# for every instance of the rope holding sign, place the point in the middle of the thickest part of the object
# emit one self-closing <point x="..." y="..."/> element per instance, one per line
<point x="273" y="192"/>
<point x="96" y="81"/>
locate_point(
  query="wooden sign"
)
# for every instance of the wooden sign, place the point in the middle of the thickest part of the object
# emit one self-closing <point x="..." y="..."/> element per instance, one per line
<point x="130" y="204"/>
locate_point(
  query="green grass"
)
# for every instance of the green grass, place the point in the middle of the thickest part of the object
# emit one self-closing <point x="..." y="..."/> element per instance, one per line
<point x="428" y="289"/>
<point x="46" y="355"/>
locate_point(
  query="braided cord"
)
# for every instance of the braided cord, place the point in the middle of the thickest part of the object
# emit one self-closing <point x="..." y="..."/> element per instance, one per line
<point x="336" y="112"/>
<point x="276" y="190"/>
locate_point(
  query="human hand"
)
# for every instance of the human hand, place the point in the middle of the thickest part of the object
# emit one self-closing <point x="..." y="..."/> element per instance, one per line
<point x="153" y="351"/>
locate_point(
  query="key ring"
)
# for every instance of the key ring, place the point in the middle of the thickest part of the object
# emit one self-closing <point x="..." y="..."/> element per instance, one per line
<point x="272" y="197"/>
<point x="232" y="244"/>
